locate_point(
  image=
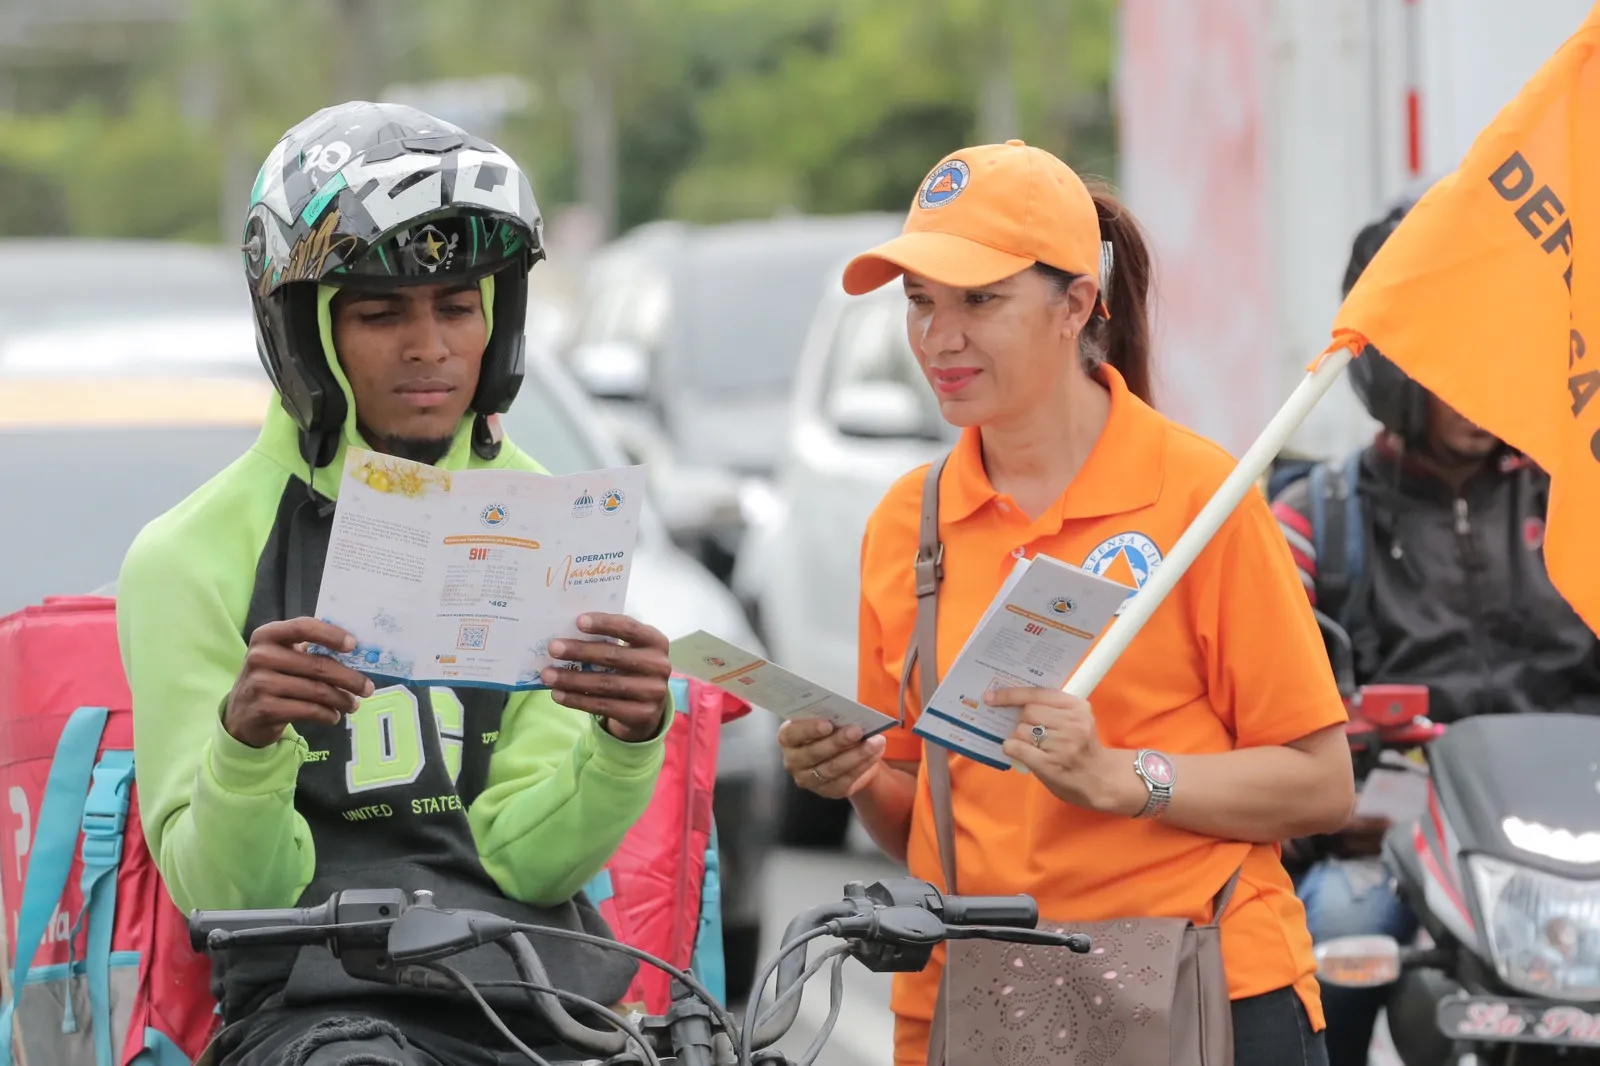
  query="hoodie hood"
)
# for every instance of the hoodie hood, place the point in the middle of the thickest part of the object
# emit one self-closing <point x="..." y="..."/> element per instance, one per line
<point x="280" y="437"/>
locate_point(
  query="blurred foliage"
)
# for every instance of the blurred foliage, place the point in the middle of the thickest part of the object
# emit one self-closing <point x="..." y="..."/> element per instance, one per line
<point x="697" y="109"/>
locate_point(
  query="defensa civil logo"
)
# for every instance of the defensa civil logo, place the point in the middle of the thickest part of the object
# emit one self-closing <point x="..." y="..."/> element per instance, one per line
<point x="611" y="502"/>
<point x="493" y="515"/>
<point x="1063" y="605"/>
<point x="1127" y="558"/>
<point x="944" y="184"/>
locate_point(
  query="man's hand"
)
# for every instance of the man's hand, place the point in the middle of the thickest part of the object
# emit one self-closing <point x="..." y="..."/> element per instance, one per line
<point x="281" y="682"/>
<point x="835" y="763"/>
<point x="1069" y="759"/>
<point x="1362" y="837"/>
<point x="632" y="698"/>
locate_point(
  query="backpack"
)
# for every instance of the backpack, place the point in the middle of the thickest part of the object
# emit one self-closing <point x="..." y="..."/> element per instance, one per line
<point x="100" y="971"/>
<point x="1341" y="532"/>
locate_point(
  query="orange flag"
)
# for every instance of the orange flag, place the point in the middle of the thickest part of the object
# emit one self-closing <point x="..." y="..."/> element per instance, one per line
<point x="1486" y="292"/>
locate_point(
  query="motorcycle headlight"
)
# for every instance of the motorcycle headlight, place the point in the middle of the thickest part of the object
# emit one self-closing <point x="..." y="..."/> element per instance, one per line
<point x="1543" y="932"/>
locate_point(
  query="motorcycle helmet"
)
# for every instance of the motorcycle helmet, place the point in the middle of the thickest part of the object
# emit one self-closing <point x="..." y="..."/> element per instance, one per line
<point x="1387" y="392"/>
<point x="381" y="195"/>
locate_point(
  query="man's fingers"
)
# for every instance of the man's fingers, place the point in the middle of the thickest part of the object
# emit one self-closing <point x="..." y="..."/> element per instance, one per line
<point x="280" y="709"/>
<point x="273" y="658"/>
<point x="646" y="690"/>
<point x="647" y="662"/>
<point x="628" y="712"/>
<point x="630" y="630"/>
<point x="309" y="690"/>
<point x="291" y="631"/>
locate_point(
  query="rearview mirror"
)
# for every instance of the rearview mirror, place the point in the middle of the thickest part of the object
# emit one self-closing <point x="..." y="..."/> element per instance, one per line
<point x="1358" y="961"/>
<point x="878" y="409"/>
<point x="612" y="370"/>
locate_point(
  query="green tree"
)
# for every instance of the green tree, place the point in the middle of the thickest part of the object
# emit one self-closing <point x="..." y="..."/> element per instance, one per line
<point x="852" y="126"/>
<point x="701" y="109"/>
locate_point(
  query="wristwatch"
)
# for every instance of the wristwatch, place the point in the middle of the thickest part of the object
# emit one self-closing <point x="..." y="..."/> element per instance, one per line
<point x="1158" y="774"/>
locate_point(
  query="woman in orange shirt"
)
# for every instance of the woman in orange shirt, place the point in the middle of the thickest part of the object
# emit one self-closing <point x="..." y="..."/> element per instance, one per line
<point x="1217" y="734"/>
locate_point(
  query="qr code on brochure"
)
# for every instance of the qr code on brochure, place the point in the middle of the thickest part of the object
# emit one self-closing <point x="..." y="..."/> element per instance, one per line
<point x="472" y="637"/>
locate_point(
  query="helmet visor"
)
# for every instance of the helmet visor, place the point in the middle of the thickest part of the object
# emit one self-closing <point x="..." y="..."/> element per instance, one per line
<point x="445" y="247"/>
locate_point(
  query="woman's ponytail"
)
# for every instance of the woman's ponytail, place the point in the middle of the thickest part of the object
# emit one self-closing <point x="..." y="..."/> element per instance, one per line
<point x="1124" y="341"/>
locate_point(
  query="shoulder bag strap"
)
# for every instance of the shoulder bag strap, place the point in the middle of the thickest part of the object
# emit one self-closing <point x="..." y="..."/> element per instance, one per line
<point x="923" y="654"/>
<point x="1225" y="896"/>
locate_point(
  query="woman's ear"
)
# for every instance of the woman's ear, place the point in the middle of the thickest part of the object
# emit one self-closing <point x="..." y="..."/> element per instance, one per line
<point x="1080" y="303"/>
<point x="1082" y="294"/>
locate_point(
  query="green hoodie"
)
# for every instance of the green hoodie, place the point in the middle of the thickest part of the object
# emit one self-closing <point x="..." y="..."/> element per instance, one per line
<point x="554" y="793"/>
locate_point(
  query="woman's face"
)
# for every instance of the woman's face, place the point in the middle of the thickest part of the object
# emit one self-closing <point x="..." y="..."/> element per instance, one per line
<point x="996" y="352"/>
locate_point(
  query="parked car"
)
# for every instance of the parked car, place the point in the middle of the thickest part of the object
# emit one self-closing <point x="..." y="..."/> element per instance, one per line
<point x="862" y="416"/>
<point x="557" y="423"/>
<point x="49" y="282"/>
<point x="128" y="417"/>
<point x="690" y="335"/>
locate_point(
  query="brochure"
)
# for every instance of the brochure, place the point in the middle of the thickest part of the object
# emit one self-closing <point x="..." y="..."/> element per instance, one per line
<point x="464" y="577"/>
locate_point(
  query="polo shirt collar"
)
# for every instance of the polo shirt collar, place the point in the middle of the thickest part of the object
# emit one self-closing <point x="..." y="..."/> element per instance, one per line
<point x="1122" y="472"/>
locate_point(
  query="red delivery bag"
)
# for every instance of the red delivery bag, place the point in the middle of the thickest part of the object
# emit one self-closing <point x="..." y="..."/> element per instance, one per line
<point x="100" y="968"/>
<point x="660" y="892"/>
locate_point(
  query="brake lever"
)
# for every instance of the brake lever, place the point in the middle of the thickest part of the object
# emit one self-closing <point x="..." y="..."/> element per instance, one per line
<point x="891" y="939"/>
<point x="1077" y="943"/>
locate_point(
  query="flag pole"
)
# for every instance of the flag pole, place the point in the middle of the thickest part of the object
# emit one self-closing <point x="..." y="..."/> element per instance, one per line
<point x="1165" y="575"/>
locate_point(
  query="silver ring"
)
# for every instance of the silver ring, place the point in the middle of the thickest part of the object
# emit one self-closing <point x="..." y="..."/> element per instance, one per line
<point x="818" y="775"/>
<point x="1039" y="734"/>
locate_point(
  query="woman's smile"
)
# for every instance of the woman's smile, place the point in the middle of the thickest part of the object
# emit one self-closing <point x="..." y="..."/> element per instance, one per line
<point x="951" y="380"/>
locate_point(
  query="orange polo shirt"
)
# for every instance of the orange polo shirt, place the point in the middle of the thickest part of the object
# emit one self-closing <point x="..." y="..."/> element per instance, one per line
<point x="1232" y="658"/>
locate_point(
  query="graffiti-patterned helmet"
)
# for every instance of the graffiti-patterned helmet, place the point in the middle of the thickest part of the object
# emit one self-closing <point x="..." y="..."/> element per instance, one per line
<point x="377" y="196"/>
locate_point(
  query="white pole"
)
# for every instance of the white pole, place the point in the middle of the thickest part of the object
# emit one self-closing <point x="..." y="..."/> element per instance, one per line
<point x="1166" y="574"/>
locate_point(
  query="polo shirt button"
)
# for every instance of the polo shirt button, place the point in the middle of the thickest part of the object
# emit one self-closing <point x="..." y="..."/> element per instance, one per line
<point x="1005" y="508"/>
<point x="1019" y="551"/>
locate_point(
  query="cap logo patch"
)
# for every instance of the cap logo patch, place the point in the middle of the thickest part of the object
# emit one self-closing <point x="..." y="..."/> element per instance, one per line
<point x="948" y="181"/>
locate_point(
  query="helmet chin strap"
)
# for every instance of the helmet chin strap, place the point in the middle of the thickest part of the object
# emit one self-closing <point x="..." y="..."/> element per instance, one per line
<point x="487" y="436"/>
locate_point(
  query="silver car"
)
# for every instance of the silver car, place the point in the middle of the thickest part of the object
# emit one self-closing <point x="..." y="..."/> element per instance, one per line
<point x="862" y="415"/>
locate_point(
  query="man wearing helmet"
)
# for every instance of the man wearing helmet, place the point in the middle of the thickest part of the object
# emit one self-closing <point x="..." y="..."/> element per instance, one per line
<point x="1434" y="566"/>
<point x="387" y="255"/>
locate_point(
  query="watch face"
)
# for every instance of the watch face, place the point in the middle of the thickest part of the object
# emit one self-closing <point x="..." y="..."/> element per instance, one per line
<point x="1157" y="767"/>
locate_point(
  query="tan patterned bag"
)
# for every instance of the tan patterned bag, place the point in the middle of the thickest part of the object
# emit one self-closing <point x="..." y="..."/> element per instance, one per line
<point x="1151" y="991"/>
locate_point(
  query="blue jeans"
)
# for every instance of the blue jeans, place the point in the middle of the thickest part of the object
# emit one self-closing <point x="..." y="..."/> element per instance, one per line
<point x="1352" y="897"/>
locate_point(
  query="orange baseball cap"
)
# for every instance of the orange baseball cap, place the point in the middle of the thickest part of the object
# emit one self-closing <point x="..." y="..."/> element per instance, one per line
<point x="986" y="213"/>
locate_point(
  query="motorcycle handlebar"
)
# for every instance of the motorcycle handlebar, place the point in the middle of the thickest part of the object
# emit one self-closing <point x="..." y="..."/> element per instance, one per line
<point x="891" y="925"/>
<point x="313" y="920"/>
<point x="1018" y="911"/>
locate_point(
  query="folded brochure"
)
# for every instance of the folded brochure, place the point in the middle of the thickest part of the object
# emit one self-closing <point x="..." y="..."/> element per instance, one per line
<point x="1034" y="634"/>
<point x="464" y="577"/>
<point x="765" y="684"/>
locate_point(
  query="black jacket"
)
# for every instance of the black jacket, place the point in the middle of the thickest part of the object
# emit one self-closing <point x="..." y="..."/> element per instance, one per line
<point x="1455" y="595"/>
